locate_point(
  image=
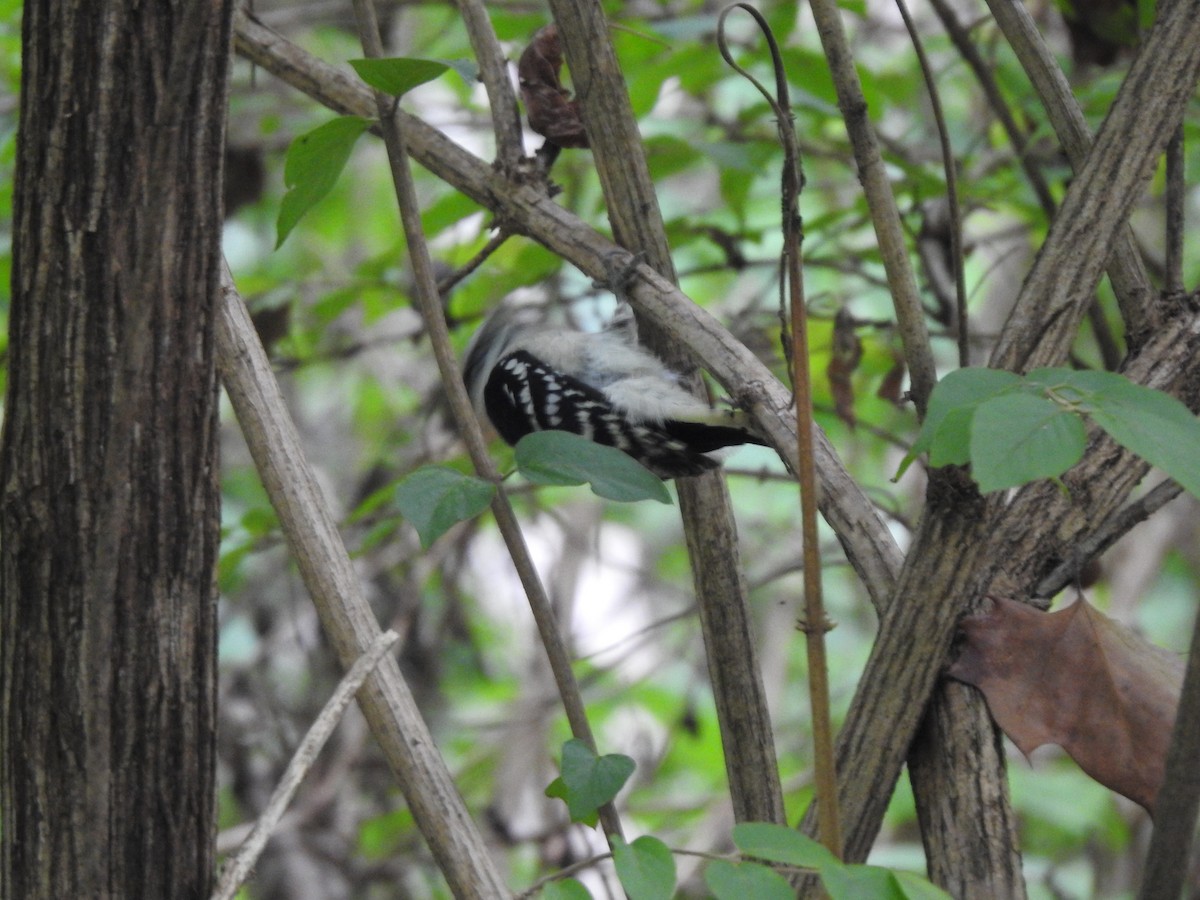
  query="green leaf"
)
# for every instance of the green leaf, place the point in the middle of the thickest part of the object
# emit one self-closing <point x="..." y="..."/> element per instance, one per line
<point x="314" y="162"/>
<point x="590" y="780"/>
<point x="559" y="457"/>
<point x="557" y="789"/>
<point x="745" y="881"/>
<point x="916" y="887"/>
<point x="946" y="431"/>
<point x="855" y="882"/>
<point x="781" y="844"/>
<point x="1019" y="438"/>
<point x="567" y="889"/>
<point x="398" y="75"/>
<point x="433" y="498"/>
<point x="1154" y="425"/>
<point x="645" y="867"/>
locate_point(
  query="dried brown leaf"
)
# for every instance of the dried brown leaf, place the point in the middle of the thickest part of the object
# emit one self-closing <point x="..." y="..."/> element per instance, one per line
<point x="1078" y="679"/>
<point x="551" y="112"/>
<point x="843" y="361"/>
<point x="893" y="381"/>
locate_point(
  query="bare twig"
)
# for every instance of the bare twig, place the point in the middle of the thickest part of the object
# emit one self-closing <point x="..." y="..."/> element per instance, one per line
<point x="950" y="168"/>
<point x="235" y="871"/>
<point x="447" y="284"/>
<point x="1110" y="531"/>
<point x="493" y="69"/>
<point x="985" y="75"/>
<point x="814" y="624"/>
<point x="1126" y="269"/>
<point x="346" y="617"/>
<point x="910" y="314"/>
<point x="460" y="405"/>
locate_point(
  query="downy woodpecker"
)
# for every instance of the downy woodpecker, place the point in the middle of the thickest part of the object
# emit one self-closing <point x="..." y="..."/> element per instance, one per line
<point x="526" y="375"/>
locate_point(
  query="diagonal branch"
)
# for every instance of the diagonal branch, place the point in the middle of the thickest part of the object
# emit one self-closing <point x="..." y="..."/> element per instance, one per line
<point x="238" y="869"/>
<point x="1126" y="269"/>
<point x="327" y="572"/>
<point x="869" y="545"/>
<point x="1147" y="110"/>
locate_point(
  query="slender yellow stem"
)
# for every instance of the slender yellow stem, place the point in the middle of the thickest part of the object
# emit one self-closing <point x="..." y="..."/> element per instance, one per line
<point x="814" y="624"/>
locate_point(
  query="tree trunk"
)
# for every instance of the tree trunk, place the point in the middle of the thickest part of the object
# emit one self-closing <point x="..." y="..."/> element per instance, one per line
<point x="109" y="523"/>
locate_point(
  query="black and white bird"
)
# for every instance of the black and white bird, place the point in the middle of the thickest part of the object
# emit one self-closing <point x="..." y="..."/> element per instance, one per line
<point x="527" y="375"/>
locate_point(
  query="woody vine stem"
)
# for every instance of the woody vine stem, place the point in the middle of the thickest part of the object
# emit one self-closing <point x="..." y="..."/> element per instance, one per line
<point x="813" y="624"/>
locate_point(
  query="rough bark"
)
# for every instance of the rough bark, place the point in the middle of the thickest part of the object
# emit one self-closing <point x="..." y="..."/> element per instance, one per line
<point x="964" y="549"/>
<point x="110" y="510"/>
<point x="958" y="774"/>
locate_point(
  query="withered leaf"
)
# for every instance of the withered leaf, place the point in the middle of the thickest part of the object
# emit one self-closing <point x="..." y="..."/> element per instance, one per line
<point x="1078" y="679"/>
<point x="551" y="112"/>
<point x="893" y="380"/>
<point x="843" y="361"/>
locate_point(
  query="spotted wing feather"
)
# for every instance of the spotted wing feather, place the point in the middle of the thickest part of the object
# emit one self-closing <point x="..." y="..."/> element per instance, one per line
<point x="523" y="395"/>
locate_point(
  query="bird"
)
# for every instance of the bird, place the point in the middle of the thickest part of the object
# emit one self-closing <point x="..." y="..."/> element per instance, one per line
<point x="525" y="374"/>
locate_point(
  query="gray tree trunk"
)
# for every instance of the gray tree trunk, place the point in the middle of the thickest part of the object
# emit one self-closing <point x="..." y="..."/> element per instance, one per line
<point x="109" y="519"/>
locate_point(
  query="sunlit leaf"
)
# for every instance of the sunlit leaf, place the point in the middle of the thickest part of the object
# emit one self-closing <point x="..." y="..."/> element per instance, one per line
<point x="946" y="431"/>
<point x="1154" y="425"/>
<point x="589" y="780"/>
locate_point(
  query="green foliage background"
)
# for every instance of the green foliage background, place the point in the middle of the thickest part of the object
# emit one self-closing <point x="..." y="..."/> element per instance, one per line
<point x="349" y="350"/>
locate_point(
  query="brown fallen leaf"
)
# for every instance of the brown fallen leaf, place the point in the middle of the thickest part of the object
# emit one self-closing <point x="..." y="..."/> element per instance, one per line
<point x="551" y="112"/>
<point x="1078" y="679"/>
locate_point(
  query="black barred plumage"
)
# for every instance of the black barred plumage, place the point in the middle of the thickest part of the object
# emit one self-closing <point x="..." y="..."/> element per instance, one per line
<point x="526" y="376"/>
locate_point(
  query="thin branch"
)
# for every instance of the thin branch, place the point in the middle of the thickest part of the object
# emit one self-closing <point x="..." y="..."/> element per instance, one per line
<point x="950" y="168"/>
<point x="429" y="304"/>
<point x="910" y="314"/>
<point x="1125" y="266"/>
<point x="1110" y="531"/>
<point x="346" y="617"/>
<point x="493" y="70"/>
<point x="495" y="242"/>
<point x="237" y="869"/>
<point x="815" y="624"/>
<point x="1178" y="802"/>
<point x="1176" y="197"/>
<point x="984" y="74"/>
